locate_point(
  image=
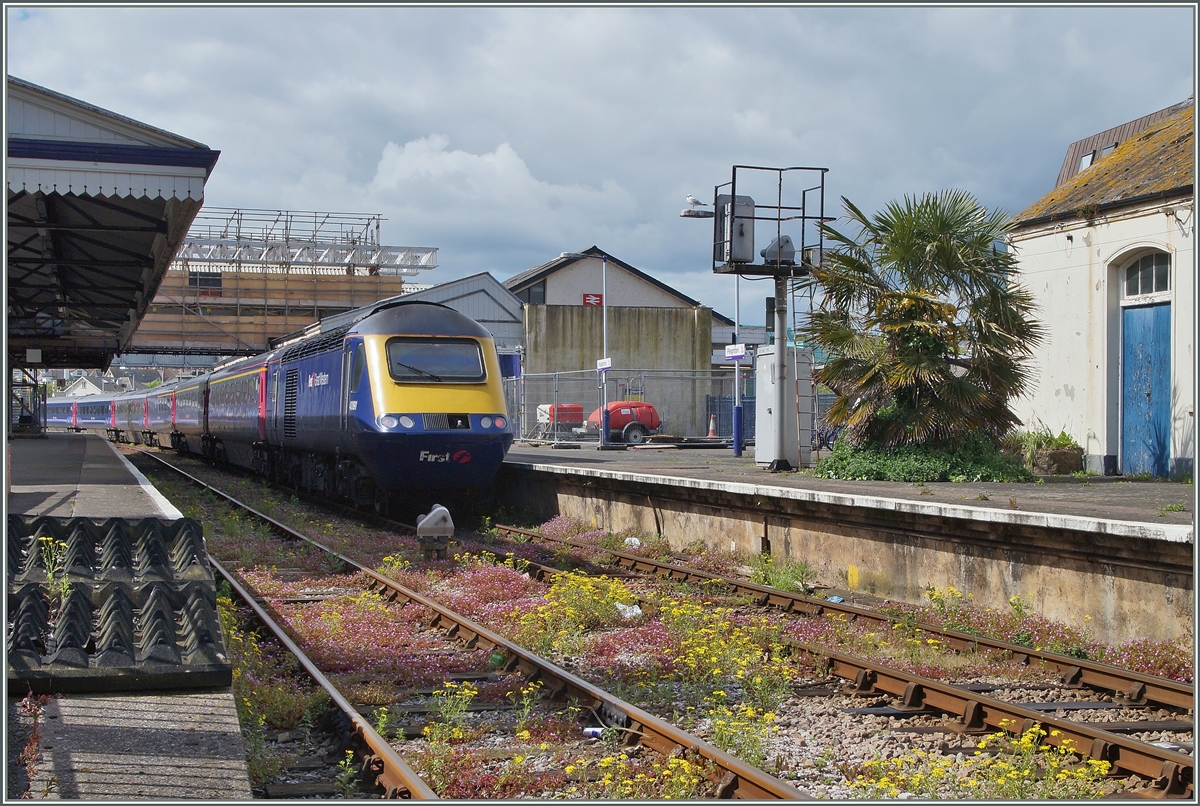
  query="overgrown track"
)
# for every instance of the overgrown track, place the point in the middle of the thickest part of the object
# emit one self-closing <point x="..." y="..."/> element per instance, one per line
<point x="1136" y="687"/>
<point x="1172" y="771"/>
<point x="391" y="772"/>
<point x="736" y="780"/>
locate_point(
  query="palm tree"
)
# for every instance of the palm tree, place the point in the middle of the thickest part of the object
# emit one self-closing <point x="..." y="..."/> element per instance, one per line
<point x="928" y="333"/>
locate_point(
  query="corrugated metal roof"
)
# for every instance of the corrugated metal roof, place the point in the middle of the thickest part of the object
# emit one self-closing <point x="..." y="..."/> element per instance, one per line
<point x="1159" y="162"/>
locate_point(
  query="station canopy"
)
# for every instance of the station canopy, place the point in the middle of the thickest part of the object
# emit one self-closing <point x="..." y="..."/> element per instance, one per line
<point x="98" y="205"/>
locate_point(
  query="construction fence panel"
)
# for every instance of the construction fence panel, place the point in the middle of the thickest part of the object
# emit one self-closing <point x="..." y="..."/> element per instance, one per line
<point x="554" y="407"/>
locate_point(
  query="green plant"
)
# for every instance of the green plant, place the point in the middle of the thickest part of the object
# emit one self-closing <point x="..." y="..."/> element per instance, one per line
<point x="451" y="702"/>
<point x="929" y="332"/>
<point x="1003" y="767"/>
<point x="782" y="573"/>
<point x="1020" y="607"/>
<point x="973" y="459"/>
<point x="393" y="565"/>
<point x="346" y="779"/>
<point x="529" y="695"/>
<point x="54" y="555"/>
<point x="383" y="719"/>
<point x="743" y="731"/>
<point x="1179" y="507"/>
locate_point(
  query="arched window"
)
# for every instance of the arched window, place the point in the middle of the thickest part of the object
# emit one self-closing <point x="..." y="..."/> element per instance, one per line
<point x="1148" y="275"/>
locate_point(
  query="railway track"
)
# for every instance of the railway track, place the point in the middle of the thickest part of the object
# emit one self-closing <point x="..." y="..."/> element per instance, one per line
<point x="733" y="778"/>
<point x="1171" y="771"/>
<point x="973" y="712"/>
<point x="1133" y="686"/>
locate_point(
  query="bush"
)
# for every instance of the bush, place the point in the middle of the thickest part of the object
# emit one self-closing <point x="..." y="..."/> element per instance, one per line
<point x="976" y="459"/>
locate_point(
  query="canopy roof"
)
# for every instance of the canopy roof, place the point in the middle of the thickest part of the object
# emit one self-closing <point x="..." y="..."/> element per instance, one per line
<point x="98" y="205"/>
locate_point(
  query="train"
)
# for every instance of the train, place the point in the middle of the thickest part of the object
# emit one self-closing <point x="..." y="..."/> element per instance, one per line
<point x="390" y="399"/>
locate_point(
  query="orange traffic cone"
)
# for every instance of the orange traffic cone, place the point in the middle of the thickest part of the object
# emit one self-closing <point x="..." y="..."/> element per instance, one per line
<point x="712" y="426"/>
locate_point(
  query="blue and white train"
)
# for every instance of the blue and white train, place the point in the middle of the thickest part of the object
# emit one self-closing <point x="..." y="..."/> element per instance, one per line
<point x="406" y="396"/>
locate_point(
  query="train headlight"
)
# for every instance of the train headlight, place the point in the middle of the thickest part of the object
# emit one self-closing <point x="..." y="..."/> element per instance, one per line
<point x="388" y="421"/>
<point x="500" y="423"/>
<point x="407" y="421"/>
<point x="485" y="422"/>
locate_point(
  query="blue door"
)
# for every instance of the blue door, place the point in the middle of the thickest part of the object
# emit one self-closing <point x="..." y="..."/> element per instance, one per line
<point x="1146" y="390"/>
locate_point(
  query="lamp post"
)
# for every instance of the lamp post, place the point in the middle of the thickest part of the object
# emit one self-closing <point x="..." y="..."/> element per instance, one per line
<point x="695" y="212"/>
<point x="604" y="316"/>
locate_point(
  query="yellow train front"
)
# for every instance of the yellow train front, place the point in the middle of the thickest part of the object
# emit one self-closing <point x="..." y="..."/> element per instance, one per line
<point x="406" y="398"/>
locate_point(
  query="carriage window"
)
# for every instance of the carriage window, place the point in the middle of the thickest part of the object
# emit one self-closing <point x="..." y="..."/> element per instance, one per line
<point x="1148" y="275"/>
<point x="443" y="360"/>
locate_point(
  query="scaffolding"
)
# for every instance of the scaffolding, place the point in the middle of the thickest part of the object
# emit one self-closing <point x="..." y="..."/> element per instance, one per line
<point x="245" y="276"/>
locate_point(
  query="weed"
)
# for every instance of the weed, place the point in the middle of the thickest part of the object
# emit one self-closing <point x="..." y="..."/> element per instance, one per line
<point x="383" y="719"/>
<point x="346" y="780"/>
<point x="619" y="777"/>
<point x="983" y="497"/>
<point x="1003" y="767"/>
<point x="976" y="459"/>
<point x="529" y="695"/>
<point x="1179" y="507"/>
<point x="393" y="565"/>
<point x="742" y="731"/>
<point x="782" y="573"/>
<point x="54" y="556"/>
<point x="1012" y="503"/>
<point x="1020" y="606"/>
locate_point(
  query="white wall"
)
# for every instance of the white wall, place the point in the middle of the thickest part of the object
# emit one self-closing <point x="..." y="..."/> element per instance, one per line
<point x="1075" y="269"/>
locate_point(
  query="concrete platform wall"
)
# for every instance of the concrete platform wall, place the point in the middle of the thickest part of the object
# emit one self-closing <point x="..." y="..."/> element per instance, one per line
<point x="1129" y="586"/>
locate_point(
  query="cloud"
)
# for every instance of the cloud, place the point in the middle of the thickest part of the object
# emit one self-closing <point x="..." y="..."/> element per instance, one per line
<point x="505" y="135"/>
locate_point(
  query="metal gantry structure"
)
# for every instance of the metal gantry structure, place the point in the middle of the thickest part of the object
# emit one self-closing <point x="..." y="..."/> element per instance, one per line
<point x="798" y="212"/>
<point x="224" y="238"/>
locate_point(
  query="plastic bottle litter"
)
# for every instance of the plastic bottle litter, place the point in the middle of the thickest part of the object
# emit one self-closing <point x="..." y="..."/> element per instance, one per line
<point x="633" y="542"/>
<point x="834" y="599"/>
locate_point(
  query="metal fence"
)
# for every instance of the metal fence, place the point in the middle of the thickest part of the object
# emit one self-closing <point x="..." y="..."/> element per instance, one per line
<point x="556" y="406"/>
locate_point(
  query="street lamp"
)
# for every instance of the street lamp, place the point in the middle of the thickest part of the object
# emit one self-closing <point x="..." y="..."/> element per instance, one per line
<point x="695" y="212"/>
<point x="604" y="308"/>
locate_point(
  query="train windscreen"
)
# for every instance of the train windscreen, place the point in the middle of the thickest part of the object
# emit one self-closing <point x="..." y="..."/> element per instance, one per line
<point x="418" y="360"/>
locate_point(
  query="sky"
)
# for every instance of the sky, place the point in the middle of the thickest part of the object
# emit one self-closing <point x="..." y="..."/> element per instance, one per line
<point x="504" y="136"/>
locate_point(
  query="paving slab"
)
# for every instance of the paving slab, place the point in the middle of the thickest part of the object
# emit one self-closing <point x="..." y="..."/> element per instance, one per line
<point x="1096" y="498"/>
<point x="142" y="747"/>
<point x="80" y="476"/>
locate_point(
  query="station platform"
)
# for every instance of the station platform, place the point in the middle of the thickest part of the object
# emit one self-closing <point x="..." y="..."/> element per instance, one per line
<point x="118" y="745"/>
<point x="153" y="747"/>
<point x="1097" y="504"/>
<point x="80" y="476"/>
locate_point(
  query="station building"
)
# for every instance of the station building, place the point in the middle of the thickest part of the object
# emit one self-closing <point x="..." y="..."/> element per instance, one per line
<point x="1109" y="255"/>
<point x="650" y="324"/>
